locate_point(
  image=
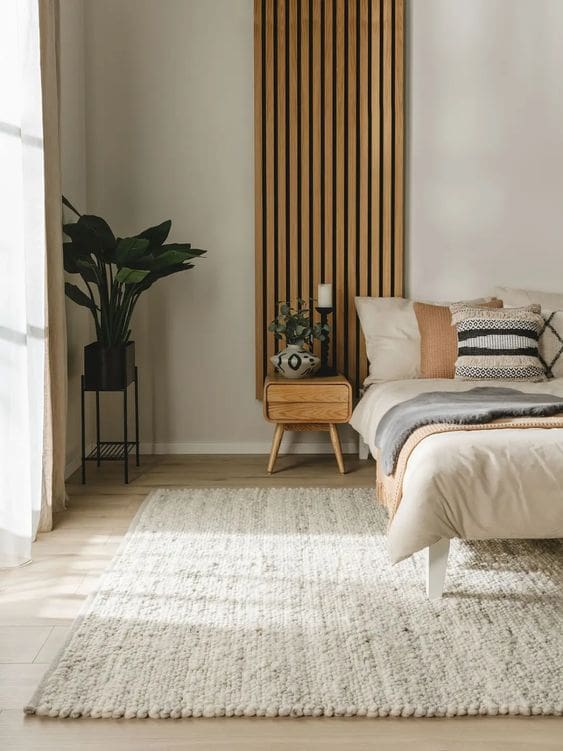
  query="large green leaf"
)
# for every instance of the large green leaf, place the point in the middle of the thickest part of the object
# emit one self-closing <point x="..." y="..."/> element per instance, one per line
<point x="130" y="249"/>
<point x="184" y="247"/>
<point x="87" y="269"/>
<point x="156" y="235"/>
<point x="154" y="276"/>
<point x="81" y="240"/>
<point x="173" y="270"/>
<point x="78" y="296"/>
<point x="126" y="275"/>
<point x="98" y="229"/>
<point x="175" y="255"/>
<point x="69" y="258"/>
<point x="90" y="234"/>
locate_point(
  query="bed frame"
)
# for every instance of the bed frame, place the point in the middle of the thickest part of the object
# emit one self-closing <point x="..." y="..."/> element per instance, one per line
<point x="436" y="555"/>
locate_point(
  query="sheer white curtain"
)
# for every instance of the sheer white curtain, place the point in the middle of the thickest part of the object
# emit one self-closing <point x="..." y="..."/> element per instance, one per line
<point x="22" y="280"/>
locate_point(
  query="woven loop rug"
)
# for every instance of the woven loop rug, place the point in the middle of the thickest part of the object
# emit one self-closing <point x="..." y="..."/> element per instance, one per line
<point x="283" y="602"/>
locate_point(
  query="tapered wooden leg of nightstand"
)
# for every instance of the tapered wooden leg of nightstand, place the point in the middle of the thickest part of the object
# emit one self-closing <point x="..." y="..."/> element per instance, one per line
<point x="334" y="437"/>
<point x="278" y="435"/>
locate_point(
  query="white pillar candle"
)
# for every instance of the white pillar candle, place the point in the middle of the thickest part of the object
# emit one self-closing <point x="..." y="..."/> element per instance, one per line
<point x="324" y="296"/>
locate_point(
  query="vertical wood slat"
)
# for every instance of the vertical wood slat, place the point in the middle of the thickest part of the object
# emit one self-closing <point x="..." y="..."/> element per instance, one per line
<point x="351" y="163"/>
<point x="363" y="146"/>
<point x="328" y="63"/>
<point x="375" y="156"/>
<point x="316" y="148"/>
<point x="387" y="150"/>
<point x="259" y="208"/>
<point x="304" y="107"/>
<point x="293" y="146"/>
<point x="329" y="162"/>
<point x="339" y="337"/>
<point x="271" y="291"/>
<point x="281" y="151"/>
<point x="399" y="151"/>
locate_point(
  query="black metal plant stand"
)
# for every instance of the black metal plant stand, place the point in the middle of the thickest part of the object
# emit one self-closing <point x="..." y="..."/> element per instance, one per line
<point x="111" y="451"/>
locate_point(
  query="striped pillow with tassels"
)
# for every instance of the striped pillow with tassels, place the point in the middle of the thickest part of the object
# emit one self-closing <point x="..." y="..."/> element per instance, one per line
<point x="498" y="343"/>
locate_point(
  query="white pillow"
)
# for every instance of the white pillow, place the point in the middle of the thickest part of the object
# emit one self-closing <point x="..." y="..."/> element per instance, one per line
<point x="392" y="336"/>
<point x="517" y="298"/>
<point x="551" y="343"/>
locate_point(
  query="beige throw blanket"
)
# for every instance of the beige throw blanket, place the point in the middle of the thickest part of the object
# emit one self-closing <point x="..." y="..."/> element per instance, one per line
<point x="389" y="488"/>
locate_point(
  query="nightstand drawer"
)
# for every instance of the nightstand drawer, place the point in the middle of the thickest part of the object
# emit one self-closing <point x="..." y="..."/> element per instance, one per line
<point x="307" y="393"/>
<point x="308" y="412"/>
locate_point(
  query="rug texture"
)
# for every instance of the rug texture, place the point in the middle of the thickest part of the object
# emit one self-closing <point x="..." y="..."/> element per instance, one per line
<point x="283" y="602"/>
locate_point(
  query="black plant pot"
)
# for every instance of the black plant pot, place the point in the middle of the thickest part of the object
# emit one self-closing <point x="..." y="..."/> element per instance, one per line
<point x="109" y="368"/>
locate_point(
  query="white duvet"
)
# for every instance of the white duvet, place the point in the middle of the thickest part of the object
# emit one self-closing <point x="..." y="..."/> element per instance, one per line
<point x="477" y="484"/>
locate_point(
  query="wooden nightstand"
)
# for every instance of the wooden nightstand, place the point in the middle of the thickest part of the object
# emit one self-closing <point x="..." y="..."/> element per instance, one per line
<point x="317" y="403"/>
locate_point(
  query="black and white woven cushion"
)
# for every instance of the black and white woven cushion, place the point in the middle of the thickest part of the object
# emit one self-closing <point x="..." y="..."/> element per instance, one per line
<point x="551" y="343"/>
<point x="498" y="343"/>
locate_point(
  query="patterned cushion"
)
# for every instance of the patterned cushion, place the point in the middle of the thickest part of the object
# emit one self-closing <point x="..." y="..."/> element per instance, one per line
<point x="551" y="343"/>
<point x="498" y="344"/>
<point x="438" y="338"/>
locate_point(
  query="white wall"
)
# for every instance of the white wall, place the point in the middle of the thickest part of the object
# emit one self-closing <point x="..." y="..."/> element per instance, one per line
<point x="485" y="155"/>
<point x="170" y="135"/>
<point x="73" y="158"/>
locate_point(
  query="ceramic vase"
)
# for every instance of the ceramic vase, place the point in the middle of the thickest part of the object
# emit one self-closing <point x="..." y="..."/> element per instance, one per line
<point x="295" y="362"/>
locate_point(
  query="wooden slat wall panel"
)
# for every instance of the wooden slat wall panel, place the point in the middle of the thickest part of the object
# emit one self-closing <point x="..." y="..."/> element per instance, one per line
<point x="329" y="167"/>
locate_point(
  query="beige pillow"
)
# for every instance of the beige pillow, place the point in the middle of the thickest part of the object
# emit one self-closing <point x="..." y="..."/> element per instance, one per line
<point x="551" y="343"/>
<point x="516" y="298"/>
<point x="392" y="338"/>
<point x="438" y="338"/>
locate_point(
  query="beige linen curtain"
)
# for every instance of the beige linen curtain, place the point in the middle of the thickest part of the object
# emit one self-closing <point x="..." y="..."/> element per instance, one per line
<point x="54" y="438"/>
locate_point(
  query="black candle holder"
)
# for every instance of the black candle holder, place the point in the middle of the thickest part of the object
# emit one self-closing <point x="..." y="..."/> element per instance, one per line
<point x="325" y="369"/>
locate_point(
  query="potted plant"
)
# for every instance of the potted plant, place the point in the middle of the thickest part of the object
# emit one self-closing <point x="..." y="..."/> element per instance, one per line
<point x="115" y="271"/>
<point x="295" y="325"/>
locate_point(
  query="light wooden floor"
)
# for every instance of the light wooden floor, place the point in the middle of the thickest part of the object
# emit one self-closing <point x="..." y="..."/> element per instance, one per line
<point x="39" y="602"/>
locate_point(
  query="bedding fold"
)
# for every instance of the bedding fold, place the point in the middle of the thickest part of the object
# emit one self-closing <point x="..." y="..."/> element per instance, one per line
<point x="389" y="487"/>
<point x="477" y="406"/>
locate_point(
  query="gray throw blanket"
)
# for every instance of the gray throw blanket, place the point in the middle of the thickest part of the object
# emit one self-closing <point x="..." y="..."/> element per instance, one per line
<point x="471" y="407"/>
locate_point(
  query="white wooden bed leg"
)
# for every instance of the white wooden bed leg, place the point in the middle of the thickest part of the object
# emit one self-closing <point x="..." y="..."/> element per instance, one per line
<point x="437" y="557"/>
<point x="363" y="449"/>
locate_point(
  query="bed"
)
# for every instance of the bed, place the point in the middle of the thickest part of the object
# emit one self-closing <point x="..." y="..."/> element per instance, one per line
<point x="473" y="484"/>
